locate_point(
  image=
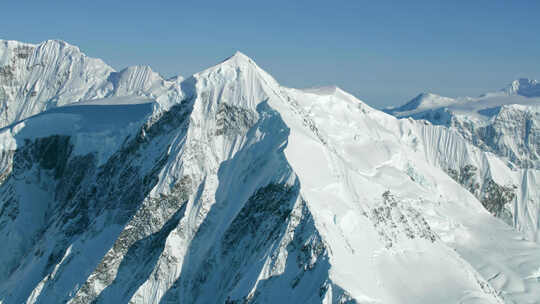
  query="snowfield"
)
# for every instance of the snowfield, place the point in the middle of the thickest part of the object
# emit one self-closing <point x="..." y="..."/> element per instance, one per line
<point x="226" y="187"/>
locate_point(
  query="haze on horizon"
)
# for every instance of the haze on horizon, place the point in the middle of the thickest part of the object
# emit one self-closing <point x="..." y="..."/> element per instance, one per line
<point x="384" y="53"/>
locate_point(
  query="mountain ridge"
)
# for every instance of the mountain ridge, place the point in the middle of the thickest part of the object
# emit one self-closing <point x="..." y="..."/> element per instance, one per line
<point x="37" y="77"/>
<point x="228" y="182"/>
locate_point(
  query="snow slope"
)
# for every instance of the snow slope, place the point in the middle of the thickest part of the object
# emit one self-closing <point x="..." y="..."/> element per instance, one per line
<point x="507" y="125"/>
<point x="232" y="188"/>
<point x="34" y="78"/>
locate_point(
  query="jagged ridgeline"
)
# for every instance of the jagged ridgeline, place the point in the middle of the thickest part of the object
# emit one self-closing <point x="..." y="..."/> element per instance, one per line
<point x="226" y="187"/>
<point x="38" y="77"/>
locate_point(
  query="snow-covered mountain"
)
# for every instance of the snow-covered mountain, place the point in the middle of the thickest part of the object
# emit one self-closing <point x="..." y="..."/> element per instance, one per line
<point x="34" y="78"/>
<point x="505" y="123"/>
<point x="523" y="87"/>
<point x="227" y="187"/>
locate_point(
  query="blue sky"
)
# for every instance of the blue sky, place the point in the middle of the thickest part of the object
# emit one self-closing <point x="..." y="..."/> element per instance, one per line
<point x="384" y="52"/>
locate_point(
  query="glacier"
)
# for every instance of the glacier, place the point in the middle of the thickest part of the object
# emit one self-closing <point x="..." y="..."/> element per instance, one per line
<point x="124" y="187"/>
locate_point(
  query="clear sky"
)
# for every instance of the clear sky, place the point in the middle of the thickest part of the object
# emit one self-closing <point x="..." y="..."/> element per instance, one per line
<point x="384" y="52"/>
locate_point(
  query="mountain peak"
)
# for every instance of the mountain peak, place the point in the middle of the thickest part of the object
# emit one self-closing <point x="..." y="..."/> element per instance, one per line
<point x="239" y="62"/>
<point x="240" y="55"/>
<point x="524" y="87"/>
<point x="60" y="44"/>
<point x="252" y="190"/>
<point x="424" y="101"/>
<point x="55" y="41"/>
<point x="238" y="59"/>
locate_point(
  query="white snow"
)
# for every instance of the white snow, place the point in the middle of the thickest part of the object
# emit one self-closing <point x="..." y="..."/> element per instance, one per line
<point x="427" y="240"/>
<point x="482" y="107"/>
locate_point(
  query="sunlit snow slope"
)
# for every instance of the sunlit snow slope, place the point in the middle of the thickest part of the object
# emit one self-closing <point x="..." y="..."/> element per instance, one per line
<point x="234" y="189"/>
<point x="504" y="123"/>
<point x="34" y="78"/>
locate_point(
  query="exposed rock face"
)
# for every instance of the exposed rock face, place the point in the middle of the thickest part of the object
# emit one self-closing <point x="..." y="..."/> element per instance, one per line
<point x="497" y="199"/>
<point x="512" y="133"/>
<point x="394" y="220"/>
